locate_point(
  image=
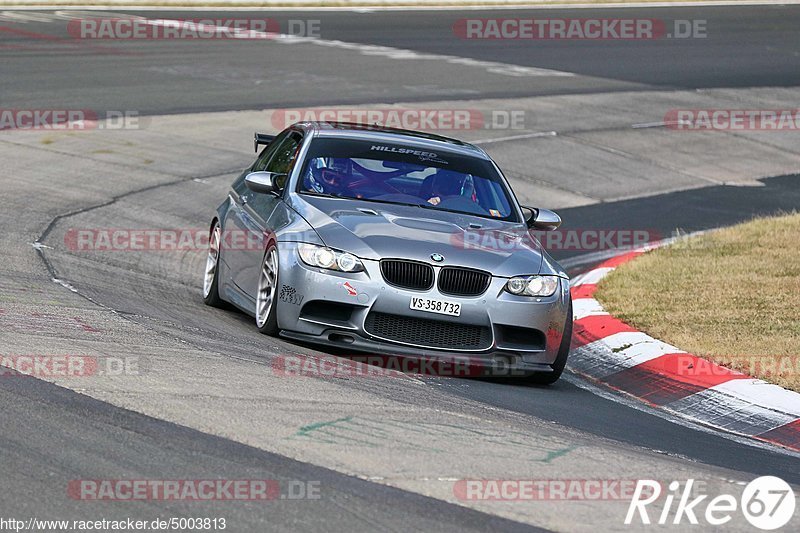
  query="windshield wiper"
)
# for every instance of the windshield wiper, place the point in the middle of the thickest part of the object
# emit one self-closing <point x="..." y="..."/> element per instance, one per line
<point x="328" y="195"/>
<point x="321" y="194"/>
<point x="437" y="208"/>
<point x="386" y="202"/>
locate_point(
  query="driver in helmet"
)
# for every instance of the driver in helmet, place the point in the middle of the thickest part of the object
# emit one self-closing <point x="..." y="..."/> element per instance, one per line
<point x="325" y="175"/>
<point x="449" y="183"/>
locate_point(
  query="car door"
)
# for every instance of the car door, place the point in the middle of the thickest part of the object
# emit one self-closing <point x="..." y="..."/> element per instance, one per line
<point x="250" y="216"/>
<point x="237" y="223"/>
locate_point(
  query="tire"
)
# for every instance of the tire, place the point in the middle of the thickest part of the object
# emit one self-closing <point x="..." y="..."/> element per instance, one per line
<point x="266" y="304"/>
<point x="561" y="359"/>
<point x="211" y="277"/>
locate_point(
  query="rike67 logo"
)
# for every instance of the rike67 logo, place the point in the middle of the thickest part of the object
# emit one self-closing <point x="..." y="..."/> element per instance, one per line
<point x="767" y="503"/>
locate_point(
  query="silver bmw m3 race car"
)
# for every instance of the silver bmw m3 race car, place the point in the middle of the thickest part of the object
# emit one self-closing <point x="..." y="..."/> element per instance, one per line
<point x="390" y="241"/>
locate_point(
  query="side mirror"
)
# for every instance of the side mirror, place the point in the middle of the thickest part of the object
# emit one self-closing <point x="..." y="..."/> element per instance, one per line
<point x="542" y="219"/>
<point x="264" y="182"/>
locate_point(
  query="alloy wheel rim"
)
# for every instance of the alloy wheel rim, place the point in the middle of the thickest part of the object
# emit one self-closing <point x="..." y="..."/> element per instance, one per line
<point x="211" y="260"/>
<point x="266" y="287"/>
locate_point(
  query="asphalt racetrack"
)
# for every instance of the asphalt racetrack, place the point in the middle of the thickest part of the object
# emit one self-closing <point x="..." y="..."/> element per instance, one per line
<point x="207" y="403"/>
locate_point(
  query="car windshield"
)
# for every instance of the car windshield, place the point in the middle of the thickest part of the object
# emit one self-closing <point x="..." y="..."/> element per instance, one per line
<point x="397" y="174"/>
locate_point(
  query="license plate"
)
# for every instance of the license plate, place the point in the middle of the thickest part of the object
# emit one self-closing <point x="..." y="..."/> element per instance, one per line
<point x="443" y="307"/>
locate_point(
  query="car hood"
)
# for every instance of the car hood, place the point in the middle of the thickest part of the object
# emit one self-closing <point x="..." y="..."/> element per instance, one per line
<point x="376" y="231"/>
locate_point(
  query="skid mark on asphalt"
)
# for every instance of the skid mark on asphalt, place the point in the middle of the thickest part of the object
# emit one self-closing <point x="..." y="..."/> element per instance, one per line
<point x="61" y="41"/>
<point x="11" y="293"/>
<point x="43" y="323"/>
<point x="356" y="431"/>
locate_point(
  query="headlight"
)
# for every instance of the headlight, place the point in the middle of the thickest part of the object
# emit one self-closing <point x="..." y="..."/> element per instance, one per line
<point x="319" y="256"/>
<point x="533" y="285"/>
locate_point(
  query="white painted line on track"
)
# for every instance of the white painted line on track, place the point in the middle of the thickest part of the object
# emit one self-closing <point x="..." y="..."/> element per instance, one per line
<point x="661" y="124"/>
<point x="389" y="52"/>
<point x="516" y="137"/>
<point x="25" y="17"/>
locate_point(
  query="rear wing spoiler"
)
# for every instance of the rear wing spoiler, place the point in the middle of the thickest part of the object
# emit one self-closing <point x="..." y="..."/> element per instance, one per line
<point x="261" y="139"/>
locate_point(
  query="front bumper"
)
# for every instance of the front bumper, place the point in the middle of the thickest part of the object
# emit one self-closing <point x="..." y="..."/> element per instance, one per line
<point x="521" y="334"/>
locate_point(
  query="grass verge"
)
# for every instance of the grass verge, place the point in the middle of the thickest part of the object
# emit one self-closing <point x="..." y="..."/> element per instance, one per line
<point x="731" y="296"/>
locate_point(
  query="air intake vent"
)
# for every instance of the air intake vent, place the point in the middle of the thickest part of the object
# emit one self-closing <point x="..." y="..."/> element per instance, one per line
<point x="428" y="333"/>
<point x="407" y="274"/>
<point x="463" y="281"/>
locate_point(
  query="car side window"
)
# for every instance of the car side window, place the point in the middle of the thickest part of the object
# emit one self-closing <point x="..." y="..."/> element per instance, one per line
<point x="268" y="152"/>
<point x="285" y="154"/>
<point x="260" y="163"/>
<point x="281" y="161"/>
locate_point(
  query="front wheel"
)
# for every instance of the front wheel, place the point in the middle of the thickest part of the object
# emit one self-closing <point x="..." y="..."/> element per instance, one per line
<point x="266" y="307"/>
<point x="561" y="359"/>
